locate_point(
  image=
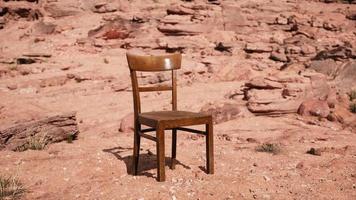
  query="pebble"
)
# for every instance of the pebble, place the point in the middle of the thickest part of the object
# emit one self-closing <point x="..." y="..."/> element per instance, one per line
<point x="300" y="165"/>
<point x="12" y="86"/>
<point x="266" y="178"/>
<point x="266" y="196"/>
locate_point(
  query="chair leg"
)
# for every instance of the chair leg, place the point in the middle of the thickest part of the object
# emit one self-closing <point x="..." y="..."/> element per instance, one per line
<point x="136" y="150"/>
<point x="161" y="176"/>
<point x="209" y="148"/>
<point x="174" y="148"/>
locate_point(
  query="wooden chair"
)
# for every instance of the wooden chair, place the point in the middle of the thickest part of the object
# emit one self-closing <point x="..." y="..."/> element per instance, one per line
<point x="164" y="120"/>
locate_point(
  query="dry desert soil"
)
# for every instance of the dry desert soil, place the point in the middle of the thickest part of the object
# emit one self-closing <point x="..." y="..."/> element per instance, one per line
<point x="278" y="76"/>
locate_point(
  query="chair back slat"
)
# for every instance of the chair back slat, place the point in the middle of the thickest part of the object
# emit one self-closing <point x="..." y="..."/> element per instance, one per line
<point x="153" y="63"/>
<point x="157" y="88"/>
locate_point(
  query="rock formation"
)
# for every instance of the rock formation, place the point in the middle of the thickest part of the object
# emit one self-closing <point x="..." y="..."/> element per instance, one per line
<point x="52" y="129"/>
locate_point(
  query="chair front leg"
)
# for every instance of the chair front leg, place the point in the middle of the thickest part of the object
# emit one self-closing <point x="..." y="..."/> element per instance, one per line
<point x="174" y="148"/>
<point x="161" y="176"/>
<point x="209" y="148"/>
<point x="136" y="150"/>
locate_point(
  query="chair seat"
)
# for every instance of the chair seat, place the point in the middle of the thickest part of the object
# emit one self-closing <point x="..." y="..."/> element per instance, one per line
<point x="173" y="119"/>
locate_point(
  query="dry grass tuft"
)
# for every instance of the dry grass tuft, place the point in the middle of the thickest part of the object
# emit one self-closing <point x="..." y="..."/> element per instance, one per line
<point x="37" y="142"/>
<point x="10" y="188"/>
<point x="71" y="137"/>
<point x="352" y="95"/>
<point x="13" y="67"/>
<point x="353" y="107"/>
<point x="269" y="148"/>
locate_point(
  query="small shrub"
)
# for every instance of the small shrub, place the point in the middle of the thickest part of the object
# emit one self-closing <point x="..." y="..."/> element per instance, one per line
<point x="269" y="148"/>
<point x="37" y="142"/>
<point x="314" y="151"/>
<point x="352" y="95"/>
<point x="13" y="67"/>
<point x="353" y="107"/>
<point x="71" y="137"/>
<point x="10" y="187"/>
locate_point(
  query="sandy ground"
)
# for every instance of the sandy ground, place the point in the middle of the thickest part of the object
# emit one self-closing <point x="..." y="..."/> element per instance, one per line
<point x="97" y="165"/>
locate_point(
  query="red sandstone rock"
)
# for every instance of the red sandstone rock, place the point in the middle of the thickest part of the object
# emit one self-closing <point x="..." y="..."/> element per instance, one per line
<point x="221" y="112"/>
<point x="53" y="129"/>
<point x="314" y="107"/>
<point x="309" y="33"/>
<point x="127" y="123"/>
<point x="345" y="79"/>
<point x="183" y="29"/>
<point x="117" y="28"/>
<point x="262" y="83"/>
<point x="257" y="48"/>
<point x="179" y="10"/>
<point x="104" y="7"/>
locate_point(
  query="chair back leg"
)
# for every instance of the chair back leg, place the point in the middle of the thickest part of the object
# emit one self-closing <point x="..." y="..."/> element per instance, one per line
<point x="209" y="148"/>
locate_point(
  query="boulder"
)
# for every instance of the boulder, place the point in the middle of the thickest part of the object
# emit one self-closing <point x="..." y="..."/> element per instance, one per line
<point x="283" y="93"/>
<point x="314" y="107"/>
<point x="116" y="29"/>
<point x="264" y="96"/>
<point x="351" y="15"/>
<point x="176" y="19"/>
<point x="337" y="53"/>
<point x="308" y="50"/>
<point x="104" y="7"/>
<point x="43" y="28"/>
<point x="258" y="48"/>
<point x="281" y="20"/>
<point x="222" y="47"/>
<point x="278" y="56"/>
<point x="328" y="67"/>
<point x="120" y="86"/>
<point x="343" y="115"/>
<point x="234" y="73"/>
<point x="51" y="129"/>
<point x="21" y="10"/>
<point x="180" y="10"/>
<point x="183" y="29"/>
<point x="221" y="112"/>
<point x="53" y="81"/>
<point x="127" y="123"/>
<point x="346" y="78"/>
<point x="58" y="11"/>
<point x="233" y="19"/>
<point x="273" y="108"/>
<point x="319" y="87"/>
<point x="261" y="82"/>
<point x="178" y="43"/>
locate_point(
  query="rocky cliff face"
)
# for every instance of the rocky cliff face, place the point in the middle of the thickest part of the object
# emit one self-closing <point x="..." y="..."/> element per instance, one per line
<point x="281" y="71"/>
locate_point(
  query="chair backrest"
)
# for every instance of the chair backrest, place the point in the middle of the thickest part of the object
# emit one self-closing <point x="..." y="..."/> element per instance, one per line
<point x="153" y="63"/>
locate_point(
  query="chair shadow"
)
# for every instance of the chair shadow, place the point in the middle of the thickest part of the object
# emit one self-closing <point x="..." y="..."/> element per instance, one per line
<point x="204" y="169"/>
<point x="147" y="161"/>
